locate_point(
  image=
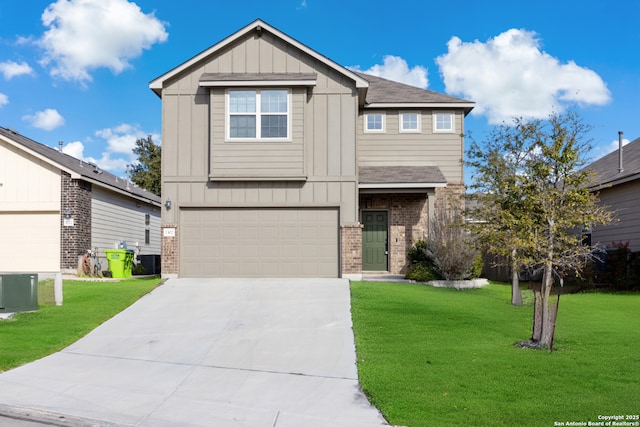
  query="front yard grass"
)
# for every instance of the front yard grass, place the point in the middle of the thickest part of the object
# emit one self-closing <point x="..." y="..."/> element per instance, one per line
<point x="440" y="357"/>
<point x="30" y="336"/>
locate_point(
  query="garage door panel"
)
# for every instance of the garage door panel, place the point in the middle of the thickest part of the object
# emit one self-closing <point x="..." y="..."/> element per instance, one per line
<point x="255" y="242"/>
<point x="35" y="242"/>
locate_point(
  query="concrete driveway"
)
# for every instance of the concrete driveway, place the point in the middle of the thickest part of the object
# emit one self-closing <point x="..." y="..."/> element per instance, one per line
<point x="206" y="352"/>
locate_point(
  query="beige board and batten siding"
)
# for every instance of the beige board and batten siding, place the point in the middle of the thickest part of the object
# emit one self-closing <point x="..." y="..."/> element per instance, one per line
<point x="260" y="159"/>
<point x="259" y="242"/>
<point x="116" y="218"/>
<point x="326" y="133"/>
<point x="426" y="148"/>
<point x="624" y="201"/>
<point x="29" y="212"/>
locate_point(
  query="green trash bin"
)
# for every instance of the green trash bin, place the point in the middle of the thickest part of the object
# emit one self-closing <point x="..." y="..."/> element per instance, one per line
<point x="120" y="262"/>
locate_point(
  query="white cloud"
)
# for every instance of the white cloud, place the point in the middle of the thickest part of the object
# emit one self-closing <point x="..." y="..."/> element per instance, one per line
<point x="120" y="140"/>
<point x="602" y="151"/>
<point x="75" y="149"/>
<point x="118" y="152"/>
<point x="396" y="68"/>
<point x="87" y="34"/>
<point x="11" y="69"/>
<point x="510" y="76"/>
<point x="4" y="99"/>
<point x="48" y="119"/>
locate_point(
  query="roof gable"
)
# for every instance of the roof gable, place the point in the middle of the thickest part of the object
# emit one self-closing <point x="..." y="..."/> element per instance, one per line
<point x="258" y="25"/>
<point x="607" y="168"/>
<point x="78" y="169"/>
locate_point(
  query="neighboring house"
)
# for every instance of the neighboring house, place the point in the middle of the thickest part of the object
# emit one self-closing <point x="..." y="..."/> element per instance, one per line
<point x="279" y="162"/>
<point x="54" y="207"/>
<point x="618" y="184"/>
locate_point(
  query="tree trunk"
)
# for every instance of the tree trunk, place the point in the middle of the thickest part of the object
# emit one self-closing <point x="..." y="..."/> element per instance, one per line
<point x="536" y="334"/>
<point x="546" y="338"/>
<point x="544" y="314"/>
<point x="516" y="293"/>
<point x="554" y="316"/>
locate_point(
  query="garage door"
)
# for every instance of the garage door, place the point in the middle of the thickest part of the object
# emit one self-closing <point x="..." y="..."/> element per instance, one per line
<point x="30" y="242"/>
<point x="258" y="242"/>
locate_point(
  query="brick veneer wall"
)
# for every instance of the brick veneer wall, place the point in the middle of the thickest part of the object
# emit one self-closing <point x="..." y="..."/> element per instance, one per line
<point x="76" y="239"/>
<point x="169" y="257"/>
<point x="351" y="248"/>
<point x="452" y="193"/>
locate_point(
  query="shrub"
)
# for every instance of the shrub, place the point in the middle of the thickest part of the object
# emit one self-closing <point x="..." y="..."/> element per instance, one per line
<point x="448" y="253"/>
<point x="416" y="253"/>
<point x="449" y="247"/>
<point x="421" y="272"/>
<point x="478" y="266"/>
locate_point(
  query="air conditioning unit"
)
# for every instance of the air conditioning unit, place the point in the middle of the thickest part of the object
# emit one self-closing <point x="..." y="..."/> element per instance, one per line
<point x="18" y="292"/>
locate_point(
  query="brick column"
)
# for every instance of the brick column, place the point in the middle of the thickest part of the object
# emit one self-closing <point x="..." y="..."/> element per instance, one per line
<point x="169" y="258"/>
<point x="76" y="238"/>
<point x="351" y="256"/>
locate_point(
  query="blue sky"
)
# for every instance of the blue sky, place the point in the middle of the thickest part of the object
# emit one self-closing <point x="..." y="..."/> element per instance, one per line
<point x="78" y="71"/>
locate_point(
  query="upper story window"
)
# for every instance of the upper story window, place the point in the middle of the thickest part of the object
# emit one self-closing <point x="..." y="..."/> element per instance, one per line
<point x="443" y="122"/>
<point x="410" y="122"/>
<point x="255" y="114"/>
<point x="374" y="122"/>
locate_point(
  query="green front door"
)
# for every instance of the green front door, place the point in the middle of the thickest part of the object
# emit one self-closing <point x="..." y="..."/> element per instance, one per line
<point x="375" y="240"/>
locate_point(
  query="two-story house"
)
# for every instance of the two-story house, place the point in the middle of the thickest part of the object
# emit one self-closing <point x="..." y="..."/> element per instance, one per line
<point x="279" y="162"/>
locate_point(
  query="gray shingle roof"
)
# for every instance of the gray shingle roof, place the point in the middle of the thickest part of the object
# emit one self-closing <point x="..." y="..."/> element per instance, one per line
<point x="401" y="175"/>
<point x="606" y="168"/>
<point x="84" y="169"/>
<point x="383" y="91"/>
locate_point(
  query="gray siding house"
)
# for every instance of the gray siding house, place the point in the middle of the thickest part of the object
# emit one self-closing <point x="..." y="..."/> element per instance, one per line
<point x="618" y="184"/>
<point x="54" y="207"/>
<point x="279" y="162"/>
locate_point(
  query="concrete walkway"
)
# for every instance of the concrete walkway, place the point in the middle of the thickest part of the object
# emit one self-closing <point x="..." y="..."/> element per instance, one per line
<point x="206" y="352"/>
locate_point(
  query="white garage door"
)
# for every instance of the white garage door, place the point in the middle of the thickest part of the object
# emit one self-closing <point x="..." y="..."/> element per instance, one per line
<point x="30" y="242"/>
<point x="258" y="242"/>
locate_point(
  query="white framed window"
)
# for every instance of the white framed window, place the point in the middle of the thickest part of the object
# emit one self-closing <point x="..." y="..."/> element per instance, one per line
<point x="443" y="121"/>
<point x="410" y="122"/>
<point x="258" y="114"/>
<point x="374" y="122"/>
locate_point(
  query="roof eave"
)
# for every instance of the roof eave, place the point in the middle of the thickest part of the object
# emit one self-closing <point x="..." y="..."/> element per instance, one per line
<point x="399" y="185"/>
<point x="120" y="191"/>
<point x="465" y="105"/>
<point x="613" y="182"/>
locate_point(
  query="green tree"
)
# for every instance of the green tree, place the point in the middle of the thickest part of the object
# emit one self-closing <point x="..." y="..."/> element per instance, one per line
<point x="501" y="222"/>
<point x="536" y="195"/>
<point x="146" y="173"/>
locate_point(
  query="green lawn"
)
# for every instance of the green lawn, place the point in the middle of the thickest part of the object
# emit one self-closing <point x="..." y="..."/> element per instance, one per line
<point x="30" y="336"/>
<point x="440" y="357"/>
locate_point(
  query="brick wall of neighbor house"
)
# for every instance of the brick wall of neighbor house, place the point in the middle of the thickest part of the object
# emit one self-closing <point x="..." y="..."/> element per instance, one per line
<point x="351" y="236"/>
<point x="76" y="239"/>
<point x="408" y="222"/>
<point x="169" y="257"/>
<point x="449" y="194"/>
